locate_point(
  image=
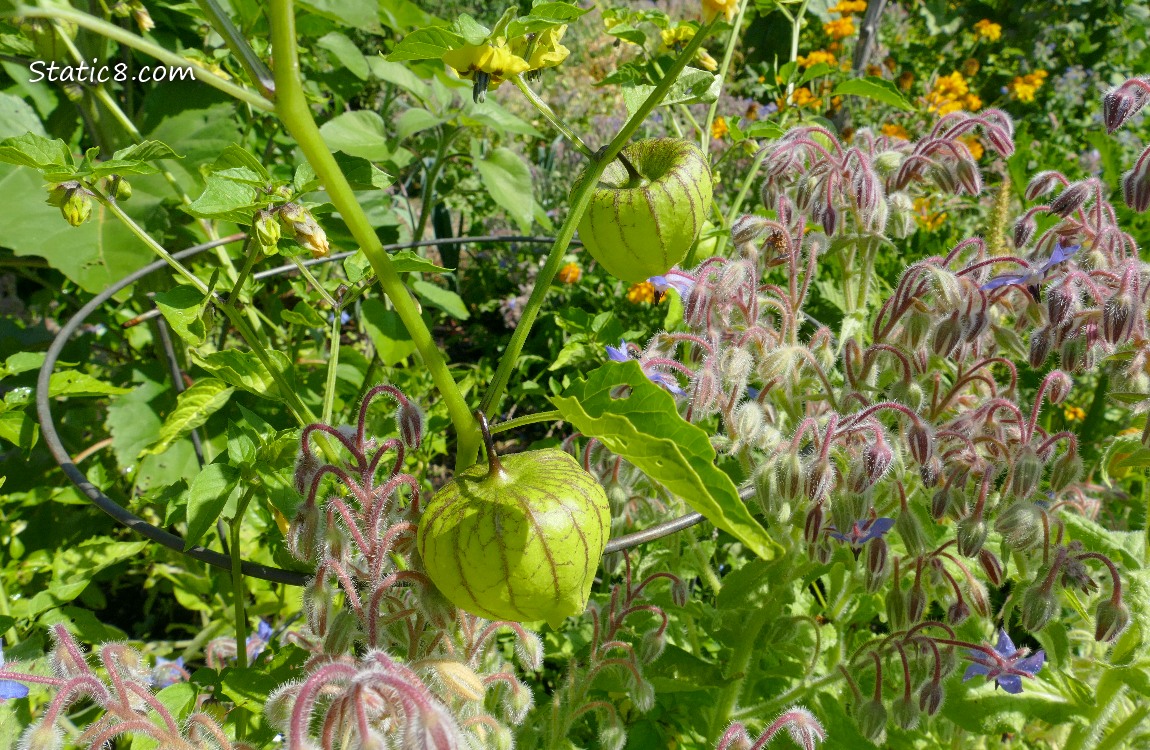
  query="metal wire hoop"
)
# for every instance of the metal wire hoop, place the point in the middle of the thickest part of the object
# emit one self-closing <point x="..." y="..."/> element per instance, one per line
<point x="171" y="541"/>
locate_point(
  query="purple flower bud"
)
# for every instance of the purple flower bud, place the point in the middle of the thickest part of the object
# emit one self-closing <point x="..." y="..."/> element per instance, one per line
<point x="830" y="218"/>
<point x="1076" y="354"/>
<point x="968" y="177"/>
<point x="947" y="335"/>
<point x="1075" y="575"/>
<point x="930" y="698"/>
<point x="1024" y="229"/>
<point x="920" y="440"/>
<point x="910" y="530"/>
<point x="1000" y="140"/>
<point x="1110" y="619"/>
<point x="1119" y="315"/>
<point x="1058" y="385"/>
<point x="820" y="480"/>
<point x="411" y="422"/>
<point x="813" y="528"/>
<point x="1072" y="198"/>
<point x="1042" y="183"/>
<point x="916" y="603"/>
<point x="304" y="532"/>
<point x="877" y="458"/>
<point x="991" y="566"/>
<point x="877" y="563"/>
<point x="940" y="502"/>
<point x="1136" y="183"/>
<point x="931" y="471"/>
<point x="791" y="478"/>
<point x="1123" y="102"/>
<point x="1040" y="344"/>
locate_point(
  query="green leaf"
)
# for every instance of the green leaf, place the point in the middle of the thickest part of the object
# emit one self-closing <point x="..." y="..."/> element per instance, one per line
<point x="207" y="496"/>
<point x="444" y="299"/>
<point x="19" y="428"/>
<point x="400" y="75"/>
<point x="413" y="121"/>
<point x="17" y="118"/>
<point x="543" y="16"/>
<point x="872" y="87"/>
<point x="226" y="200"/>
<point x="693" y="86"/>
<point x="132" y="420"/>
<point x="184" y="308"/>
<point x="425" y="44"/>
<point x="356" y="14"/>
<point x="644" y="428"/>
<point x="508" y="179"/>
<point x="406" y="261"/>
<point x="193" y="407"/>
<point x="238" y="157"/>
<point x="303" y="315"/>
<point x="346" y="53"/>
<point x="38" y="152"/>
<point x="21" y="362"/>
<point x="392" y="341"/>
<point x="492" y="115"/>
<point x="75" y="384"/>
<point x="1125" y="548"/>
<point x="471" y="30"/>
<point x="361" y="133"/>
<point x="244" y="369"/>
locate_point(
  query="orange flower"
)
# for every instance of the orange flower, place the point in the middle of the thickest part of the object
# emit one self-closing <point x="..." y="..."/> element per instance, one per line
<point x="816" y="57"/>
<point x="840" y="28"/>
<point x="1074" y="413"/>
<point x="988" y="30"/>
<point x="890" y="130"/>
<point x="570" y="273"/>
<point x="974" y="144"/>
<point x="719" y="128"/>
<point x="644" y="291"/>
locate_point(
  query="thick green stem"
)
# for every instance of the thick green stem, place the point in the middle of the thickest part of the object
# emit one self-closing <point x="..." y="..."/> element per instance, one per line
<point x="239" y="46"/>
<point x="115" y="33"/>
<point x="332" y="365"/>
<point x="514" y="424"/>
<point x="736" y="670"/>
<point x="292" y="107"/>
<point x="580" y="200"/>
<point x="1086" y="731"/>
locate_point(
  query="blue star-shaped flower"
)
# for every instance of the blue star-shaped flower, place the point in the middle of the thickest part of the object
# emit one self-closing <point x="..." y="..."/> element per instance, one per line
<point x="10" y="688"/>
<point x="259" y="640"/>
<point x="863" y="531"/>
<point x="1034" y="275"/>
<point x="1007" y="667"/>
<point x="673" y="280"/>
<point x="658" y="377"/>
<point x="168" y="671"/>
<point x="620" y="354"/>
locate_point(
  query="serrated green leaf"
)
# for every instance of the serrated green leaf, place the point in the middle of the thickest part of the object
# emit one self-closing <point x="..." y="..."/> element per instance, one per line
<point x="425" y="44"/>
<point x="508" y="180"/>
<point x="360" y="133"/>
<point x="38" y="152"/>
<point x="645" y="428"/>
<point x="193" y="407"/>
<point x="75" y="384"/>
<point x="444" y="299"/>
<point x="184" y="307"/>
<point x="209" y="493"/>
<point x="693" y="86"/>
<point x="392" y="342"/>
<point x="872" y="87"/>
<point x="1125" y="548"/>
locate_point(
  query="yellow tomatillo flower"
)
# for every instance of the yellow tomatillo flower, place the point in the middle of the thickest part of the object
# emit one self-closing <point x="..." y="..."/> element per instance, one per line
<point x="713" y="8"/>
<point x="675" y="38"/>
<point x="542" y="50"/>
<point x="487" y="64"/>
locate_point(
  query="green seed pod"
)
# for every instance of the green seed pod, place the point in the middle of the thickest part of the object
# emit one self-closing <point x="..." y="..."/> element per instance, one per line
<point x="644" y="218"/>
<point x="519" y="539"/>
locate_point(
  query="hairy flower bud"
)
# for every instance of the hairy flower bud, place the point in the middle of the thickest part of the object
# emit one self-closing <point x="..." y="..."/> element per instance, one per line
<point x="1136" y="183"/>
<point x="1119" y="315"/>
<point x="411" y="423"/>
<point x="1072" y="198"/>
<point x="1110" y="619"/>
<point x="896" y="609"/>
<point x="957" y="612"/>
<point x="1065" y="470"/>
<point x="1042" y="183"/>
<point x="1024" y="229"/>
<point x="931" y="471"/>
<point x="1021" y="525"/>
<point x="968" y="177"/>
<point x="916" y="603"/>
<point x="748" y="228"/>
<point x="940" y="502"/>
<point x="871" y="717"/>
<point x="1028" y="469"/>
<point x="748" y="421"/>
<point x="820" y="480"/>
<point x="304" y="532"/>
<point x="915" y="327"/>
<point x="791" y="477"/>
<point x="991" y="566"/>
<point x="905" y="712"/>
<point x="970" y="533"/>
<point x="813" y="527"/>
<point x="877" y="564"/>
<point x="877" y="458"/>
<point x="41" y="736"/>
<point x="920" y="440"/>
<point x="901" y="211"/>
<point x="1076" y="354"/>
<point x="1038" y="606"/>
<point x="267" y="232"/>
<point x="1058" y="386"/>
<point x="1041" y="341"/>
<point x="1123" y="102"/>
<point x="930" y="698"/>
<point x="947" y="335"/>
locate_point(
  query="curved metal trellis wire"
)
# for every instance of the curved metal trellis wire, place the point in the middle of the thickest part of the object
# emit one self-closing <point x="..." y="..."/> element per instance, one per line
<point x="198" y="552"/>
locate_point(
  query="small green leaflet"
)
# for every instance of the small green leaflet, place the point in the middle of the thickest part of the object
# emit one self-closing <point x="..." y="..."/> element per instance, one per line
<point x="875" y="88"/>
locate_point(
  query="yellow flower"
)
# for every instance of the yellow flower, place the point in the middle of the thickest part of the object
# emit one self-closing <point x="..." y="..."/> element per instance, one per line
<point x="545" y="51"/>
<point x="802" y="97"/>
<point x="987" y="30"/>
<point x="706" y="62"/>
<point x="926" y="217"/>
<point x="891" y="130"/>
<point x="952" y="94"/>
<point x="974" y="144"/>
<point x="644" y="291"/>
<point x="719" y="128"/>
<point x="1074" y="413"/>
<point x="816" y="57"/>
<point x="845" y="7"/>
<point x="677" y="36"/>
<point x="970" y="67"/>
<point x="972" y="102"/>
<point x="497" y="62"/>
<point x="713" y="8"/>
<point x="570" y="273"/>
<point x="1023" y="88"/>
<point x="840" y="28"/>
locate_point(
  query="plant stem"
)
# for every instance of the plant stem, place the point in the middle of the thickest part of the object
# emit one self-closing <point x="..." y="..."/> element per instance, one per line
<point x="736" y="670"/>
<point x="549" y="114"/>
<point x="292" y="107"/>
<point x="1084" y="732"/>
<point x="1120" y="735"/>
<point x="239" y="46"/>
<point x="136" y="42"/>
<point x="314" y="282"/>
<point x="238" y="593"/>
<point x="514" y="424"/>
<point x="332" y="365"/>
<point x="724" y="68"/>
<point x="429" y="181"/>
<point x="580" y="200"/>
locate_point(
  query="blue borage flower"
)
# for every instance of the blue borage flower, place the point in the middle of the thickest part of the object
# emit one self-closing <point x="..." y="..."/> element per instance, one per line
<point x="1034" y="275"/>
<point x="658" y="377"/>
<point x="258" y="641"/>
<point x="681" y="283"/>
<point x="10" y="688"/>
<point x="1008" y="665"/>
<point x="169" y="671"/>
<point x="863" y="531"/>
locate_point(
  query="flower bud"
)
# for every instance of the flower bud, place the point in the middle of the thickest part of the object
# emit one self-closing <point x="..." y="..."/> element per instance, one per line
<point x="991" y="566"/>
<point x="1058" y="386"/>
<point x="1076" y="354"/>
<point x="877" y="458"/>
<point x="930" y="698"/>
<point x="1072" y="198"/>
<point x="267" y="232"/>
<point x="651" y="645"/>
<point x="971" y="535"/>
<point x="1110" y="620"/>
<point x="871" y="717"/>
<point x="910" y="530"/>
<point x="748" y="228"/>
<point x="968" y="177"/>
<point x="905" y="712"/>
<point x="958" y="612"/>
<point x="902" y="215"/>
<point x="121" y="189"/>
<point x="77" y="206"/>
<point x="915" y="327"/>
<point x="1042" y="183"/>
<point x="813" y="527"/>
<point x="735" y="366"/>
<point x="947" y="335"/>
<point x="1041" y="341"/>
<point x="1021" y="525"/>
<point x="613" y="736"/>
<point x="1038" y="607"/>
<point x="1065" y="470"/>
<point x="1024" y="229"/>
<point x="411" y="422"/>
<point x="1123" y="102"/>
<point x="820" y="480"/>
<point x="931" y="471"/>
<point x="304" y="532"/>
<point x="300" y="222"/>
<point x="877" y="564"/>
<point x="41" y="736"/>
<point x="791" y="477"/>
<point x="920" y="440"/>
<point x="916" y="603"/>
<point x="1028" y="469"/>
<point x="748" y="421"/>
<point x="1075" y="575"/>
<point x="342" y="633"/>
<point x="940" y="502"/>
<point x="460" y="680"/>
<point x="1136" y="184"/>
<point x="1119" y="315"/>
<point x="888" y="161"/>
<point x="896" y="609"/>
